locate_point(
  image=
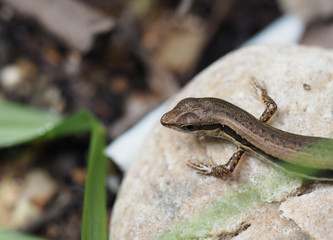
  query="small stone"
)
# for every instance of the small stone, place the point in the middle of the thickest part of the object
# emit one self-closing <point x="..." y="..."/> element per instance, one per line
<point x="39" y="187"/>
<point x="79" y="175"/>
<point x="11" y="76"/>
<point x="175" y="45"/>
<point x="9" y="192"/>
<point x="22" y="201"/>
<point x="25" y="212"/>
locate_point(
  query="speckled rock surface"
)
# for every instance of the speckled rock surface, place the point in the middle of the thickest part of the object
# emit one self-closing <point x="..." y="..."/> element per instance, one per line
<point x="306" y="212"/>
<point x="162" y="198"/>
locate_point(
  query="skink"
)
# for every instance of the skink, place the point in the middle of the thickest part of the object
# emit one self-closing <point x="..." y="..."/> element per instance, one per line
<point x="307" y="156"/>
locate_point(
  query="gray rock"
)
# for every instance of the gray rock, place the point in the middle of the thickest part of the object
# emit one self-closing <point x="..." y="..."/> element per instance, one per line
<point x="162" y="198"/>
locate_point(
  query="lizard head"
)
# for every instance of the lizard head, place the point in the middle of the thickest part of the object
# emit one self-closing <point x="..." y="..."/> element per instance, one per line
<point x="192" y="115"/>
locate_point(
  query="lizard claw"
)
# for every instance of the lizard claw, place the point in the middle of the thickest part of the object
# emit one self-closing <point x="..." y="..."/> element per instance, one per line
<point x="202" y="168"/>
<point x="257" y="88"/>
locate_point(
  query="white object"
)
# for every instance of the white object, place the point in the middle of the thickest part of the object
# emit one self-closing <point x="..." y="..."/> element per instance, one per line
<point x="287" y="29"/>
<point x="11" y="76"/>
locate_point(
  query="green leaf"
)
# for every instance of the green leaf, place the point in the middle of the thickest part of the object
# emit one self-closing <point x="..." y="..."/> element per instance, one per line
<point x="94" y="211"/>
<point x="13" y="235"/>
<point x="19" y="124"/>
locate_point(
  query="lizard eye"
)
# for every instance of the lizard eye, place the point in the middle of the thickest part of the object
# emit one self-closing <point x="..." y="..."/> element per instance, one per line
<point x="188" y="127"/>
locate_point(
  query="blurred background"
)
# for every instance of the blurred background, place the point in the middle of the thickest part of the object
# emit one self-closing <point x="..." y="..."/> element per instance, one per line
<point x="119" y="60"/>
